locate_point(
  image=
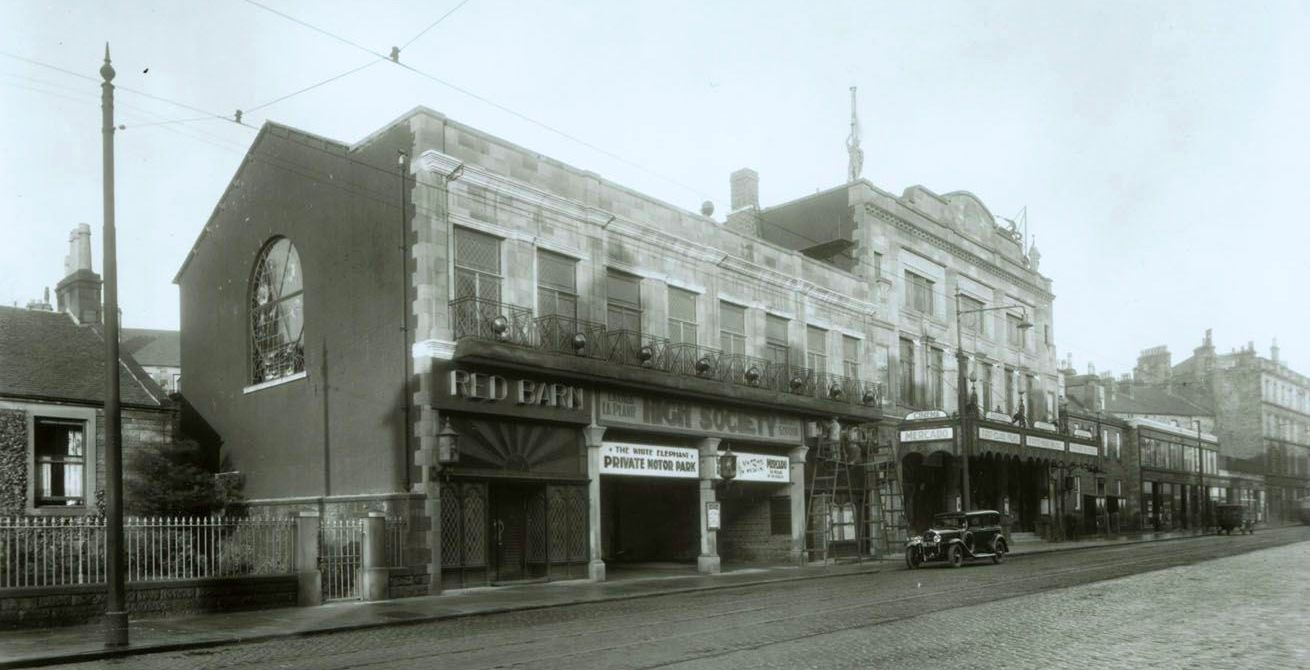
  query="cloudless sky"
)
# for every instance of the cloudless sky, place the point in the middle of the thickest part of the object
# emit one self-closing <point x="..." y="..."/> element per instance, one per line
<point x="1160" y="148"/>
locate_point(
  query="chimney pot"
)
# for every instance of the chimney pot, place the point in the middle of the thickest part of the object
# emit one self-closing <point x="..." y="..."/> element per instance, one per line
<point x="745" y="189"/>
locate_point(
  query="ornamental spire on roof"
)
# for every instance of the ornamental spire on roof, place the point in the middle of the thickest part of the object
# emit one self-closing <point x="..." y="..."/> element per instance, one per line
<point x="856" y="163"/>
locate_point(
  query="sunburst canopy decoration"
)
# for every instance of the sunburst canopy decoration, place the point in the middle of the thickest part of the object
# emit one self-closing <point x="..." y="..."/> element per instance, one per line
<point x="517" y="446"/>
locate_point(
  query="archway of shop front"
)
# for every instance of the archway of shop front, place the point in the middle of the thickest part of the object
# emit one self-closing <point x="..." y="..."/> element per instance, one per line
<point x="932" y="483"/>
<point x="1010" y="484"/>
<point x="649" y="524"/>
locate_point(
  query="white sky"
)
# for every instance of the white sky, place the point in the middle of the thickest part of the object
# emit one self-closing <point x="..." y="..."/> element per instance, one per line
<point x="1158" y="147"/>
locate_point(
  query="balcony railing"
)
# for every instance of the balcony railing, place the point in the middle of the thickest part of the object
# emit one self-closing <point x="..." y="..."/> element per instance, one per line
<point x="510" y="324"/>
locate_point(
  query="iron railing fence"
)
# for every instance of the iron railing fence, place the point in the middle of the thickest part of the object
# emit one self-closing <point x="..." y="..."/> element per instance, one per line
<point x="512" y="324"/>
<point x="59" y="551"/>
<point x="492" y="320"/>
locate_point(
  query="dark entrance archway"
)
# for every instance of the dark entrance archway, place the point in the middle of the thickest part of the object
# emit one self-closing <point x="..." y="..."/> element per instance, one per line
<point x="931" y="485"/>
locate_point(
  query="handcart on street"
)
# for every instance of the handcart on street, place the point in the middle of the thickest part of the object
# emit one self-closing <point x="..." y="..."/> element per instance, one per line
<point x="1233" y="516"/>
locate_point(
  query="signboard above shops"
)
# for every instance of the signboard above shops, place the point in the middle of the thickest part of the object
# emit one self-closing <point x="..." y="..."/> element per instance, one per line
<point x="1085" y="449"/>
<point x="925" y="414"/>
<point x="763" y="468"/>
<point x="694" y="418"/>
<point x="505" y="394"/>
<point x="646" y="460"/>
<point x="1044" y="443"/>
<point x="928" y="434"/>
<point x="999" y="417"/>
<point x="999" y="436"/>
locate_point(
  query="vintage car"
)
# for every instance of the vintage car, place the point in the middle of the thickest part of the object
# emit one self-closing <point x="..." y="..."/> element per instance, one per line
<point x="959" y="536"/>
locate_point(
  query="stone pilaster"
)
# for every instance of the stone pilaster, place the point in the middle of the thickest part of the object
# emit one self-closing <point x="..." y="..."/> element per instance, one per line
<point x="593" y="435"/>
<point x="708" y="561"/>
<point x="797" y="491"/>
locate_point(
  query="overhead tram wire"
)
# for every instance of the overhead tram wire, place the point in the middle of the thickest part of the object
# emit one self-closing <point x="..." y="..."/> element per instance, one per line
<point x="487" y="101"/>
<point x="433" y="25"/>
<point x="859" y="263"/>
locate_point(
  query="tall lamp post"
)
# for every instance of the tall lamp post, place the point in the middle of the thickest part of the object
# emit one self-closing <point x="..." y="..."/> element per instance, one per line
<point x="1205" y="493"/>
<point x="962" y="393"/>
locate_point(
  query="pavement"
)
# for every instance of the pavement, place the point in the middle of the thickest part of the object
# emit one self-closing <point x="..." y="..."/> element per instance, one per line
<point x="38" y="647"/>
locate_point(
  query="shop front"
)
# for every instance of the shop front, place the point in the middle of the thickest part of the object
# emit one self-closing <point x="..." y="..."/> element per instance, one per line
<point x="663" y="496"/>
<point x="1033" y="475"/>
<point x="513" y="508"/>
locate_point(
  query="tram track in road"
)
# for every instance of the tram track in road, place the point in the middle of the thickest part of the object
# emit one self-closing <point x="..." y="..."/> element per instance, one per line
<point x="656" y="631"/>
<point x="1162" y="556"/>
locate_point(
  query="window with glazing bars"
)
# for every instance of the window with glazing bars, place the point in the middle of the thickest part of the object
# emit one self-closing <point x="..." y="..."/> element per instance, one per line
<point x="557" y="285"/>
<point x="477" y="265"/>
<point x="850" y="356"/>
<point x="906" y="390"/>
<point x="732" y="328"/>
<point x="622" y="302"/>
<point x="776" y="348"/>
<point x="682" y="316"/>
<point x="971" y="320"/>
<point x="1013" y="333"/>
<point x="60" y="461"/>
<point x="816" y="349"/>
<point x="985" y="393"/>
<point x="277" y="318"/>
<point x="935" y="369"/>
<point x="918" y="293"/>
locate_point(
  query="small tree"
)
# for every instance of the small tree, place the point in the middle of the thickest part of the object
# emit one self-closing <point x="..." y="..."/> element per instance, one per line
<point x="175" y="479"/>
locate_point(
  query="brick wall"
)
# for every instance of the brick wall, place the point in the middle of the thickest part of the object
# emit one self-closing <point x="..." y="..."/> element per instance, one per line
<point x="745" y="536"/>
<point x="71" y="605"/>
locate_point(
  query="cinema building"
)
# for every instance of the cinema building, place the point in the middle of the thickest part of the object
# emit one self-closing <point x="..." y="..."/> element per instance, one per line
<point x="543" y="371"/>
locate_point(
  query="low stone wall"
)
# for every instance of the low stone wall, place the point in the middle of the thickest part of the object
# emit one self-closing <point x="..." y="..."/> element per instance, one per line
<point x="69" y="605"/>
<point x="408" y="582"/>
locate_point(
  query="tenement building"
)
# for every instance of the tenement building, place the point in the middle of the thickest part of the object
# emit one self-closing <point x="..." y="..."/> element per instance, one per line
<point x="968" y="324"/>
<point x="1262" y="410"/>
<point x="546" y="372"/>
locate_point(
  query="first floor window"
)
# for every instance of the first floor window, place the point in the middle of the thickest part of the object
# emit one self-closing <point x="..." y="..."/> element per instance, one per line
<point x="732" y="329"/>
<point x="776" y="347"/>
<point x="623" y="302"/>
<point x="60" y="460"/>
<point x="850" y="353"/>
<point x="816" y="349"/>
<point x="682" y="316"/>
<point x="906" y="386"/>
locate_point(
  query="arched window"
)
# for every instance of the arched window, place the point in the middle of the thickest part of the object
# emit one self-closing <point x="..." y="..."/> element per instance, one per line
<point x="277" y="315"/>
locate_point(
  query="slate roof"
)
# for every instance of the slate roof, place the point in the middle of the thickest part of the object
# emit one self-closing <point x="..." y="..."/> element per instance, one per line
<point x="161" y="348"/>
<point x="1155" y="400"/>
<point x="46" y="355"/>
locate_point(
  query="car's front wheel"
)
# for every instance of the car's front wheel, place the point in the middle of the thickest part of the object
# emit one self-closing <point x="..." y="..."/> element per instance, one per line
<point x="912" y="558"/>
<point x="955" y="555"/>
<point x="998" y="551"/>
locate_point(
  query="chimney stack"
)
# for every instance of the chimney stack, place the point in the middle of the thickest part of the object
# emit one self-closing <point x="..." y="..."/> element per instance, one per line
<point x="744" y="209"/>
<point x="1273" y="351"/>
<point x="78" y="293"/>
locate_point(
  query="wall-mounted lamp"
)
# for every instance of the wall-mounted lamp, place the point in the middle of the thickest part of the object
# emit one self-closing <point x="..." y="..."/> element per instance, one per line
<point x="448" y="445"/>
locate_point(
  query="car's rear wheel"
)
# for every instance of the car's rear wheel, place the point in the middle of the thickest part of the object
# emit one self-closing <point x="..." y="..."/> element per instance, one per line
<point x="998" y="551"/>
<point x="955" y="555"/>
<point x="912" y="558"/>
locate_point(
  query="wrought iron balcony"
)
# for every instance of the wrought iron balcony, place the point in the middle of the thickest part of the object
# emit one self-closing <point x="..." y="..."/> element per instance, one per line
<point x="511" y="324"/>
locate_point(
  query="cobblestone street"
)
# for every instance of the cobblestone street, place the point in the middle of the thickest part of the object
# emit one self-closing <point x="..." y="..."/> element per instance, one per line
<point x="1208" y="602"/>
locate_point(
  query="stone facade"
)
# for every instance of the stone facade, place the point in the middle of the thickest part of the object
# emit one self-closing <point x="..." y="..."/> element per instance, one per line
<point x="915" y="253"/>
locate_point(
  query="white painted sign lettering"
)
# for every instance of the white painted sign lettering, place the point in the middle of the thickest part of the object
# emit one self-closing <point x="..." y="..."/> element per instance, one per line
<point x="645" y="460"/>
<point x="998" y="435"/>
<point x="1044" y="443"/>
<point x="927" y="434"/>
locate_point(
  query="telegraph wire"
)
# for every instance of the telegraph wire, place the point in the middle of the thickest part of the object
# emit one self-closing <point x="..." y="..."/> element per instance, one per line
<point x="311" y="87"/>
<point x="433" y="25"/>
<point x="937" y="292"/>
<point x="487" y="101"/>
